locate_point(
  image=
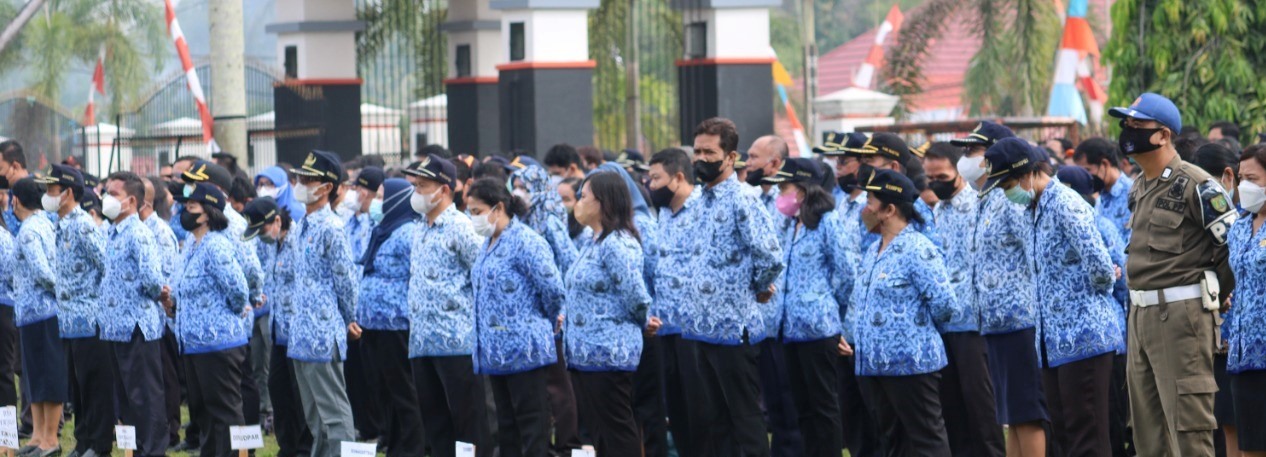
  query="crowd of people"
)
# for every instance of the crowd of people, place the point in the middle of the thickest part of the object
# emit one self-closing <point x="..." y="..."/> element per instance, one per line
<point x="985" y="296"/>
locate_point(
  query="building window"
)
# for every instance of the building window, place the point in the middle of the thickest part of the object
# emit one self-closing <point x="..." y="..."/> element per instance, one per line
<point x="292" y="62"/>
<point x="697" y="40"/>
<point x="462" y="60"/>
<point x="517" y="44"/>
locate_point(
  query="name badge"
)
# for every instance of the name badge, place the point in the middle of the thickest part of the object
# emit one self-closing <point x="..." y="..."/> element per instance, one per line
<point x="243" y="437"/>
<point x="125" y="437"/>
<point x="354" y="449"/>
<point x="465" y="449"/>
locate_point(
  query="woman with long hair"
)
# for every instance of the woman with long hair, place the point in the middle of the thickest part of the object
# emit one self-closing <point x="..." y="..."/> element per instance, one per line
<point x="518" y="293"/>
<point x="606" y="309"/>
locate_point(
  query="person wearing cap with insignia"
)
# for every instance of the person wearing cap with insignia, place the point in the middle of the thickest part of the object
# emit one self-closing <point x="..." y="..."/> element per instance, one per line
<point x="1178" y="267"/>
<point x="1078" y="320"/>
<point x="325" y="319"/>
<point x="518" y="296"/>
<point x="675" y="197"/>
<point x="208" y="300"/>
<point x="901" y="294"/>
<point x="1102" y="158"/>
<point x="130" y="292"/>
<point x="80" y="262"/>
<point x="888" y="151"/>
<point x="369" y="406"/>
<point x="44" y="366"/>
<point x="261" y="322"/>
<point x="278" y="254"/>
<point x="813" y="290"/>
<point x="441" y="314"/>
<point x="967" y="392"/>
<point x="734" y="275"/>
<point x="247" y="258"/>
<point x="383" y="314"/>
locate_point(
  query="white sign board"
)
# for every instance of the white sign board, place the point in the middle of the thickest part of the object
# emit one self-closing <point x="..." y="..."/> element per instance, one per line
<point x="9" y="427"/>
<point x="246" y="437"/>
<point x="125" y="437"/>
<point x="465" y="449"/>
<point x="586" y="451"/>
<point x="354" y="449"/>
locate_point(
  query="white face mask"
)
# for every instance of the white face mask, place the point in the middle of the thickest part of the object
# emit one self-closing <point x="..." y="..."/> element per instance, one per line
<point x="423" y="203"/>
<point x="110" y="207"/>
<point x="352" y="202"/>
<point x="1252" y="196"/>
<point x="268" y="191"/>
<point x="482" y="225"/>
<point x="970" y="169"/>
<point x="51" y="203"/>
<point x="305" y="194"/>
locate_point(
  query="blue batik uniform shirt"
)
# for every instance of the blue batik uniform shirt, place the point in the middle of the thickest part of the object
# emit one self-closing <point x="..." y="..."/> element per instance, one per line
<point x="740" y="257"/>
<point x="518" y="295"/>
<point x="267" y="255"/>
<point x="359" y="227"/>
<point x="34" y="279"/>
<point x="1114" y="204"/>
<point x="209" y="292"/>
<point x="7" y="251"/>
<point x="441" y="298"/>
<point x="281" y="289"/>
<point x="606" y="306"/>
<point x="80" y="266"/>
<point x="675" y="245"/>
<point x="165" y="240"/>
<point x="818" y="280"/>
<point x="384" y="301"/>
<point x="1246" y="350"/>
<point x="132" y="283"/>
<point x="901" y="295"/>
<point x="1002" y="272"/>
<point x="957" y="218"/>
<point x="327" y="285"/>
<point x="1077" y="316"/>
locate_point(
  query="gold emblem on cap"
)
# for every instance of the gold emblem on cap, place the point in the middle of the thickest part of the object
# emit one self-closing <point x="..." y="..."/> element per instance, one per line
<point x="311" y="160"/>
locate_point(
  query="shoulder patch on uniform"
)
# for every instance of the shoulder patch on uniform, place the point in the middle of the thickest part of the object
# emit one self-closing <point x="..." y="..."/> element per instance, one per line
<point x="1179" y="187"/>
<point x="1219" y="203"/>
<point x="1171" y="205"/>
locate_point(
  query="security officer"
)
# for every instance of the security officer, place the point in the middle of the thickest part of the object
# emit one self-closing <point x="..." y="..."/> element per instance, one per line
<point x="1179" y="276"/>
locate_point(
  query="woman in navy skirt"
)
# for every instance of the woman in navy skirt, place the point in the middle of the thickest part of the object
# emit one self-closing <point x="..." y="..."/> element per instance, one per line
<point x="43" y="354"/>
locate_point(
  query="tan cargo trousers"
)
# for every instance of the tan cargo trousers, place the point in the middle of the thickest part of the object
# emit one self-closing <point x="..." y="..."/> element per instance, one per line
<point x="1169" y="373"/>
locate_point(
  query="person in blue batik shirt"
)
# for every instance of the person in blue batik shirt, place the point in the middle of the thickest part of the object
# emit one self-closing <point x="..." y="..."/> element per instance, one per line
<point x="1102" y="158"/>
<point x="1246" y="318"/>
<point x="675" y="197"/>
<point x="208" y="299"/>
<point x="80" y="264"/>
<point x="547" y="216"/>
<point x="34" y="284"/>
<point x="648" y="384"/>
<point x="734" y="276"/>
<point x="518" y="295"/>
<point x="1079" y="323"/>
<point x="130" y="290"/>
<point x="901" y="295"/>
<point x="357" y="206"/>
<point x="383" y="313"/>
<point x="442" y="314"/>
<point x="293" y="436"/>
<point x="606" y="305"/>
<point x="967" y="393"/>
<point x="812" y="290"/>
<point x="156" y="196"/>
<point x="324" y="315"/>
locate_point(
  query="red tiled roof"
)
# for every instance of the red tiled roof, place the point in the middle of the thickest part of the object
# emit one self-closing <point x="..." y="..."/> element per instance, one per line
<point x="944" y="67"/>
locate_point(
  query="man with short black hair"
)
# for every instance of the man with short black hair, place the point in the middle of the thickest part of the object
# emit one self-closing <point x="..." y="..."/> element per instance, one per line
<point x="1223" y="129"/>
<point x="131" y="289"/>
<point x="739" y="259"/>
<point x="12" y="168"/>
<point x="562" y="161"/>
<point x="591" y="156"/>
<point x="1102" y="158"/>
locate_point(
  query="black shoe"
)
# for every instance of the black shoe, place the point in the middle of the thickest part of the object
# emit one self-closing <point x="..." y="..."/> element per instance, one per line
<point x="184" y="446"/>
<point x="54" y="452"/>
<point x="27" y="450"/>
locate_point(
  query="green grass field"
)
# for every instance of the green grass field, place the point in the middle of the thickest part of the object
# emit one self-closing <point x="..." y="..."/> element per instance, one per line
<point x="68" y="441"/>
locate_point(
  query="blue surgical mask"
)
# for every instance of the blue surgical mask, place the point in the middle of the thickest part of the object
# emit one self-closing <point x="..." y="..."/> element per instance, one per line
<point x="375" y="210"/>
<point x="1019" y="196"/>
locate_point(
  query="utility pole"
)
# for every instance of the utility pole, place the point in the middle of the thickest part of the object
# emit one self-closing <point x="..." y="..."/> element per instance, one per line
<point x="632" y="91"/>
<point x="11" y="30"/>
<point x="228" y="78"/>
<point x="810" y="67"/>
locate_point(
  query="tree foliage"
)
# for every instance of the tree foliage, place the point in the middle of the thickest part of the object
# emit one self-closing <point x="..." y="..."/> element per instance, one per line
<point x="1203" y="54"/>
<point x="660" y="43"/>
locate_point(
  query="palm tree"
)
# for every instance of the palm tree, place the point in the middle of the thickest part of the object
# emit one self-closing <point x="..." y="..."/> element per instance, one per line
<point x="1010" y="73"/>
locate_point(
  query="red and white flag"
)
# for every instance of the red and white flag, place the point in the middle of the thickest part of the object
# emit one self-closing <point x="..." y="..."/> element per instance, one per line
<point x="875" y="59"/>
<point x="191" y="73"/>
<point x="98" y="87"/>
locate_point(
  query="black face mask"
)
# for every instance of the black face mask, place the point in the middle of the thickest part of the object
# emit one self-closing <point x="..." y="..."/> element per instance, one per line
<point x="848" y="183"/>
<point x="755" y="176"/>
<point x="177" y="189"/>
<point x="1136" y="140"/>
<point x="4" y="182"/>
<point x="662" y="197"/>
<point x="707" y="172"/>
<point x="1096" y="184"/>
<point x="189" y="221"/>
<point x="944" y="190"/>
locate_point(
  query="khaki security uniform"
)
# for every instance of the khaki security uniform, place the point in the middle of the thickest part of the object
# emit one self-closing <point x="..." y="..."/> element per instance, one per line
<point x="1180" y="221"/>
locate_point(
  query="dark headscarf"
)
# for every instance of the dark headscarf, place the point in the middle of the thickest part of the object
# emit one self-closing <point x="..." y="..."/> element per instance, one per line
<point x="396" y="211"/>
